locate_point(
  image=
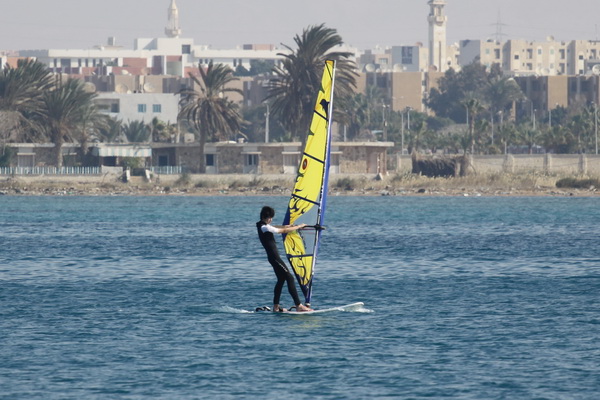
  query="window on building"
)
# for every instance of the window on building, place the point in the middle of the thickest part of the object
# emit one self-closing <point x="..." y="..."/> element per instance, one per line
<point x="141" y="108"/>
<point x="529" y="53"/>
<point x="516" y="56"/>
<point x="210" y="159"/>
<point x="581" y="56"/>
<point x="114" y="107"/>
<point x="156" y="108"/>
<point x="186" y="49"/>
<point x="407" y="55"/>
<point x="539" y="52"/>
<point x="252" y="159"/>
<point x="497" y="54"/>
<point x="561" y="53"/>
<point x="487" y="51"/>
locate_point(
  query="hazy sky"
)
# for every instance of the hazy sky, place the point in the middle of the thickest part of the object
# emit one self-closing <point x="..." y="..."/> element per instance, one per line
<point x="80" y="24"/>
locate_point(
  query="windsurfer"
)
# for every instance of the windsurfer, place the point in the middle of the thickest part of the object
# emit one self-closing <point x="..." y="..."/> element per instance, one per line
<point x="265" y="234"/>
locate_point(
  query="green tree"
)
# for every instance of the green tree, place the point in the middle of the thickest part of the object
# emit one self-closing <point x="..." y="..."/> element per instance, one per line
<point x="21" y="87"/>
<point x="473" y="107"/>
<point x="161" y="131"/>
<point x="507" y="135"/>
<point x="581" y="126"/>
<point x="500" y="93"/>
<point x="529" y="136"/>
<point x="559" y="139"/>
<point x="209" y="111"/>
<point x="455" y="88"/>
<point x="354" y="114"/>
<point x="137" y="132"/>
<point x="21" y="90"/>
<point x="62" y="111"/>
<point x="112" y="131"/>
<point x="297" y="79"/>
<point x="255" y="128"/>
<point x="89" y="128"/>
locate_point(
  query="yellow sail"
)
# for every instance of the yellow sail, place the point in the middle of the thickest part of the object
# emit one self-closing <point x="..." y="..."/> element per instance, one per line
<point x="307" y="203"/>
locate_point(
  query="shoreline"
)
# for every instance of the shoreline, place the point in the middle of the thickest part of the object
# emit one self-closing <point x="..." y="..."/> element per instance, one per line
<point x="497" y="185"/>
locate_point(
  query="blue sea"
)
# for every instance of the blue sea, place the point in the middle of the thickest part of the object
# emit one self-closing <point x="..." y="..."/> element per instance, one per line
<point x="151" y="298"/>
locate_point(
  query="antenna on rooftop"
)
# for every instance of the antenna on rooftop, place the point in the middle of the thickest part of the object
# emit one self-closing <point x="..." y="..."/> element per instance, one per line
<point x="499" y="26"/>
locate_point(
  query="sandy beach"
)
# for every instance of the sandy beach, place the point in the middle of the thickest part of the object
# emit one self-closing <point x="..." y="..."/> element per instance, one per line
<point x="532" y="184"/>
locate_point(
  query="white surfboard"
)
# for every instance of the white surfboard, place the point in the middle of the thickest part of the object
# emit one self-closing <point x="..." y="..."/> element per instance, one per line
<point x="347" y="307"/>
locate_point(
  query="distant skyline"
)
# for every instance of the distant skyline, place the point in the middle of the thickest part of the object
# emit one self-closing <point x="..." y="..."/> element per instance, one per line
<point x="81" y="24"/>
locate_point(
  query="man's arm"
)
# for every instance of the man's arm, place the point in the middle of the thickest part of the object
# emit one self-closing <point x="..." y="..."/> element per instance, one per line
<point x="288" y="228"/>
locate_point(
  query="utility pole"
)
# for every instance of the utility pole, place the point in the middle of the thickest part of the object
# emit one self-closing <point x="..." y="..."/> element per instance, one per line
<point x="267" y="124"/>
<point x="596" y="125"/>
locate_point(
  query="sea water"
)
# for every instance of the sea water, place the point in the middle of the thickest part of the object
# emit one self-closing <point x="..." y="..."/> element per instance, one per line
<point x="151" y="297"/>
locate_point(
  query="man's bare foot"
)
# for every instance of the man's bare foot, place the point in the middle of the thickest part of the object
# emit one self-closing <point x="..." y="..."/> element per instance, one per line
<point x="302" y="307"/>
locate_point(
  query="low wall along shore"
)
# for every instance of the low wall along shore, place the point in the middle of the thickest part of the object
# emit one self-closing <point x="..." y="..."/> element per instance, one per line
<point x="561" y="164"/>
<point x="520" y="175"/>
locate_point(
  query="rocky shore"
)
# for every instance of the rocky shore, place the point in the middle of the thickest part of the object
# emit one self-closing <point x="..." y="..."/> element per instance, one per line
<point x="237" y="185"/>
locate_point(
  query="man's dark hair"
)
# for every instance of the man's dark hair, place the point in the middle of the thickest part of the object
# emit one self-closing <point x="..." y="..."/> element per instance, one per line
<point x="267" y="212"/>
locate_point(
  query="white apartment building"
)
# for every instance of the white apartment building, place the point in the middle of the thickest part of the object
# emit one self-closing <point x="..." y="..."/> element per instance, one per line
<point x="144" y="107"/>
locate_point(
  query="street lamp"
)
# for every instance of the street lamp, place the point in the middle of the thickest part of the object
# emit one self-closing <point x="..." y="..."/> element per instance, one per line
<point x="384" y="106"/>
<point x="596" y="125"/>
<point x="267" y="114"/>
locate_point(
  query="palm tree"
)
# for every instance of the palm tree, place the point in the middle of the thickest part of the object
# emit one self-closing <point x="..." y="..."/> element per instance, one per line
<point x="529" y="136"/>
<point x="298" y="77"/>
<point x="500" y="93"/>
<point x="473" y="108"/>
<point x="91" y="125"/>
<point x="507" y="133"/>
<point x="208" y="111"/>
<point x="137" y="132"/>
<point x="161" y="131"/>
<point x="354" y="114"/>
<point x="112" y="131"/>
<point x="63" y="109"/>
<point x="21" y="89"/>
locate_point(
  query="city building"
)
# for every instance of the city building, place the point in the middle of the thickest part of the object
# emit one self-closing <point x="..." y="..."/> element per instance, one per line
<point x="172" y="55"/>
<point x="542" y="58"/>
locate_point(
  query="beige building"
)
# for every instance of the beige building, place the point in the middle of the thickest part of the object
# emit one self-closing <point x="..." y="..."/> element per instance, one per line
<point x="544" y="58"/>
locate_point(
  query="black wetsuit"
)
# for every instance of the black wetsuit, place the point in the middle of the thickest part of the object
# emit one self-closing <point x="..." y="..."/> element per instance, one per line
<point x="281" y="270"/>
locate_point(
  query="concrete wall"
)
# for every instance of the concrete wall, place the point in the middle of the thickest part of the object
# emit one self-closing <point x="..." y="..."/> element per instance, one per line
<point x="568" y="164"/>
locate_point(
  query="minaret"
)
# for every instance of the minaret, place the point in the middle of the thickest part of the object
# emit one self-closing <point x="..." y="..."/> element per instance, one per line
<point x="437" y="35"/>
<point x="172" y="30"/>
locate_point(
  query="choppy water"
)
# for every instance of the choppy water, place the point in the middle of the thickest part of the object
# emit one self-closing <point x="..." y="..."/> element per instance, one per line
<point x="145" y="297"/>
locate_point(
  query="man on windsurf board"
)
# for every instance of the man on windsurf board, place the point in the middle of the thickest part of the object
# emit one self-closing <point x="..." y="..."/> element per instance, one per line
<point x="265" y="234"/>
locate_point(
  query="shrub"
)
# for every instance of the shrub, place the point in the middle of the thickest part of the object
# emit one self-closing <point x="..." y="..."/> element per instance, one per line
<point x="346" y="183"/>
<point x="575" y="183"/>
<point x="184" y="180"/>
